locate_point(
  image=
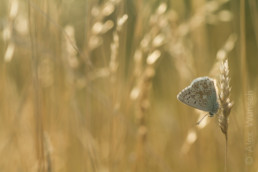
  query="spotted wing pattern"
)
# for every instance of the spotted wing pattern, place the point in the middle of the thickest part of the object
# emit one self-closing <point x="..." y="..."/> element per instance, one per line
<point x="201" y="94"/>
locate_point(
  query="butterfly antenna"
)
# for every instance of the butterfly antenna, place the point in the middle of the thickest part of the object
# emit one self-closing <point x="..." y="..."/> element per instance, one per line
<point x="202" y="119"/>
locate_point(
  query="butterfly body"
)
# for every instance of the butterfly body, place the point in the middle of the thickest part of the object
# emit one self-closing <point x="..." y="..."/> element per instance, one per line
<point x="201" y="94"/>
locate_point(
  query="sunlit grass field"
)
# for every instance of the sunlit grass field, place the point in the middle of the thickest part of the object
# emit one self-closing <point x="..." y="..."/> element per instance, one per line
<point x="91" y="86"/>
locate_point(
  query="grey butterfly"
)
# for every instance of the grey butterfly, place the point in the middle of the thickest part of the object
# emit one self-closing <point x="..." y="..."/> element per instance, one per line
<point x="201" y="94"/>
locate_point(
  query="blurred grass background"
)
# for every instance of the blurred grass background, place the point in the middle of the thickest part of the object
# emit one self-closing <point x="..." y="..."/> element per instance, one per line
<point x="92" y="85"/>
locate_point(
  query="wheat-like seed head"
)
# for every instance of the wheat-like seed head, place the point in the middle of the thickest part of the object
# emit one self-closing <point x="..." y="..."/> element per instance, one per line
<point x="225" y="102"/>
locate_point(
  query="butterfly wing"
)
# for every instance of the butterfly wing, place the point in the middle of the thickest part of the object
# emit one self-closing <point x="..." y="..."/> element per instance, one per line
<point x="201" y="94"/>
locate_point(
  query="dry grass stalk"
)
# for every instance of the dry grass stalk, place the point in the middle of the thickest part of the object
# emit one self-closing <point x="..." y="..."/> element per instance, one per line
<point x="35" y="27"/>
<point x="113" y="64"/>
<point x="142" y="110"/>
<point x="48" y="152"/>
<point x="141" y="94"/>
<point x="145" y="58"/>
<point x="225" y="104"/>
<point x="117" y="130"/>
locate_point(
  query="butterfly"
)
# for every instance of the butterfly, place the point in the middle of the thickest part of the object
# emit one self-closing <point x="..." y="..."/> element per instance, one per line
<point x="201" y="94"/>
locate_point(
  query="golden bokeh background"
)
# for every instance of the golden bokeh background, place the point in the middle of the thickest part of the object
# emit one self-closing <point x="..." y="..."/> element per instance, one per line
<point x="92" y="85"/>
